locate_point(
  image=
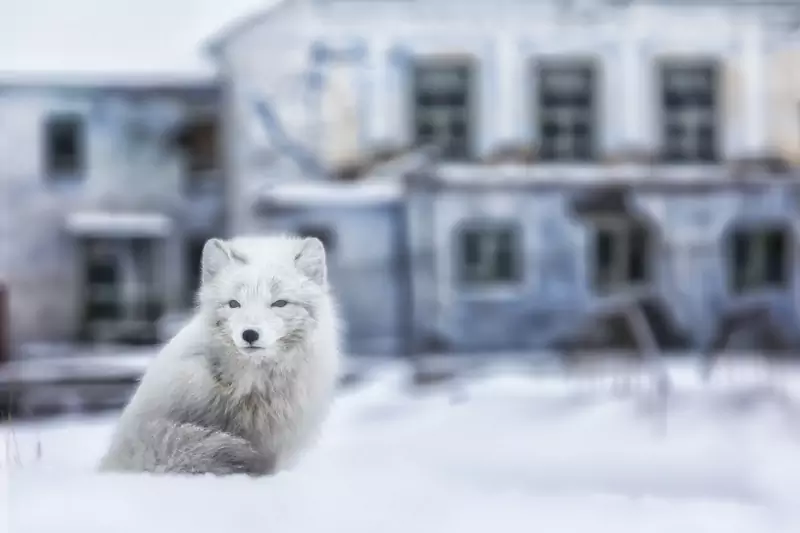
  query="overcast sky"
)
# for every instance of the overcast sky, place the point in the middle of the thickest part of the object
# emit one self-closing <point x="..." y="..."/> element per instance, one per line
<point x="113" y="36"/>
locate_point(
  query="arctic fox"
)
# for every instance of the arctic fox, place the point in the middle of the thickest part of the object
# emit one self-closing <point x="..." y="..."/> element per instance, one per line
<point x="246" y="384"/>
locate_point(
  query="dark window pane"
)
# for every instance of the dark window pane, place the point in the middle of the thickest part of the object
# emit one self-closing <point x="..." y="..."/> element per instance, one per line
<point x="565" y="109"/>
<point x="102" y="283"/>
<point x="689" y="101"/>
<point x="505" y="256"/>
<point x="741" y="251"/>
<point x="443" y="92"/>
<point x="776" y="246"/>
<point x="101" y="271"/>
<point x="64" y="146"/>
<point x="605" y="251"/>
<point x="472" y="251"/>
<point x="706" y="143"/>
<point x="638" y="255"/>
<point x="489" y="255"/>
<point x="199" y="145"/>
<point x="425" y="131"/>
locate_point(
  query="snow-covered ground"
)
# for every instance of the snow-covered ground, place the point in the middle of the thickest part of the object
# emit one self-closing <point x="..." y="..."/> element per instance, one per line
<point x="501" y="452"/>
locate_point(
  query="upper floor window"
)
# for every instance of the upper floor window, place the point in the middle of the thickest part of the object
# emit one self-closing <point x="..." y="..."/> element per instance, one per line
<point x="760" y="258"/>
<point x="567" y="117"/>
<point x="198" y="143"/>
<point x="689" y="103"/>
<point x="64" y="146"/>
<point x="489" y="254"/>
<point x="442" y="97"/>
<point x="622" y="255"/>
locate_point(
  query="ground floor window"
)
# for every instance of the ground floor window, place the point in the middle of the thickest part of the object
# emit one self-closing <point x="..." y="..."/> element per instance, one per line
<point x="122" y="300"/>
<point x="489" y="254"/>
<point x="622" y="255"/>
<point x="759" y="258"/>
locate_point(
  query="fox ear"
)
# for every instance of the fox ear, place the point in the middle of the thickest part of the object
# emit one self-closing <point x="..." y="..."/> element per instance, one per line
<point x="310" y="260"/>
<point x="216" y="255"/>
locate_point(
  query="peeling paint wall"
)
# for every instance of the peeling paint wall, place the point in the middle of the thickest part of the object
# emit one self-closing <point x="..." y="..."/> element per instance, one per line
<point x="130" y="164"/>
<point x="693" y="263"/>
<point x="341" y="108"/>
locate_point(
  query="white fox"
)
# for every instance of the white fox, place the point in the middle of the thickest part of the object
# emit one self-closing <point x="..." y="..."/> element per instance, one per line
<point x="246" y="384"/>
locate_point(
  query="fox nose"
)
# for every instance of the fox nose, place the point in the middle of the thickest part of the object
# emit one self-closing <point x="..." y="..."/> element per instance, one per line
<point x="250" y="336"/>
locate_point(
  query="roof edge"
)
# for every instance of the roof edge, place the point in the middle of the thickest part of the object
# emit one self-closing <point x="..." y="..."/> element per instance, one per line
<point x="214" y="44"/>
<point x="10" y="79"/>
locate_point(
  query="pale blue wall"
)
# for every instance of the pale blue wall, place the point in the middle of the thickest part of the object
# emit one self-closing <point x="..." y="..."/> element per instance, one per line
<point x="365" y="268"/>
<point x="38" y="258"/>
<point x="691" y="263"/>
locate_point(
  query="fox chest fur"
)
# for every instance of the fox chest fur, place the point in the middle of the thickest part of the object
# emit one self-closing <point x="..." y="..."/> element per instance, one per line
<point x="267" y="409"/>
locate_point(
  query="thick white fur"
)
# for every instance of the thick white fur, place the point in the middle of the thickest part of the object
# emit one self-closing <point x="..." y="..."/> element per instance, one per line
<point x="207" y="404"/>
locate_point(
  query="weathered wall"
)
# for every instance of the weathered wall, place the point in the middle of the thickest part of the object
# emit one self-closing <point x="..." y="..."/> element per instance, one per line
<point x="366" y="268"/>
<point x="130" y="165"/>
<point x="692" y="262"/>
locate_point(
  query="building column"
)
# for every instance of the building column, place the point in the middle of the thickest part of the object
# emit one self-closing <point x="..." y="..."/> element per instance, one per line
<point x="315" y="86"/>
<point x="507" y="102"/>
<point x="398" y="84"/>
<point x="377" y="110"/>
<point x="630" y="106"/>
<point x="755" y="94"/>
<point x="424" y="316"/>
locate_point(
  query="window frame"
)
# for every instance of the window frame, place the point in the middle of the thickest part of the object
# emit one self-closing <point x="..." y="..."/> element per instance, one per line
<point x="620" y="280"/>
<point x="53" y="165"/>
<point x="471" y="68"/>
<point x="742" y="284"/>
<point x="541" y="67"/>
<point x="666" y="114"/>
<point x="484" y="229"/>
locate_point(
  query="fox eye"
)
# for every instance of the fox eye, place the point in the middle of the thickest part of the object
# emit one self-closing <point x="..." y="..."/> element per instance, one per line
<point x="279" y="303"/>
<point x="233" y="304"/>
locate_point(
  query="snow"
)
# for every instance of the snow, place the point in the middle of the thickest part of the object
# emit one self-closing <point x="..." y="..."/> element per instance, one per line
<point x="502" y="450"/>
<point x="113" y="38"/>
<point x="116" y="224"/>
<point x="333" y="193"/>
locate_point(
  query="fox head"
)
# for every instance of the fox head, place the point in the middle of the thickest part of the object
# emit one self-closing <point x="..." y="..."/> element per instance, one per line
<point x="260" y="294"/>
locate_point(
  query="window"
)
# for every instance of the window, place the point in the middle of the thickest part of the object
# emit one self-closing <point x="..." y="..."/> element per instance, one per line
<point x="122" y="300"/>
<point x="102" y="286"/>
<point x="64" y="146"/>
<point x="442" y="101"/>
<point x="689" y="104"/>
<point x="320" y="232"/>
<point x="198" y="142"/>
<point x="566" y="112"/>
<point x="759" y="258"/>
<point x="622" y="256"/>
<point x="489" y="255"/>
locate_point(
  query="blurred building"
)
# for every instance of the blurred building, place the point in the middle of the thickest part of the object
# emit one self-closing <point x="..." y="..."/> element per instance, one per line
<point x="599" y="163"/>
<point x="110" y="191"/>
<point x="594" y="162"/>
